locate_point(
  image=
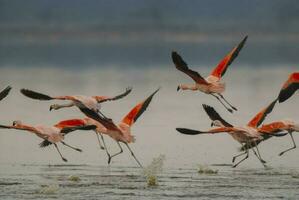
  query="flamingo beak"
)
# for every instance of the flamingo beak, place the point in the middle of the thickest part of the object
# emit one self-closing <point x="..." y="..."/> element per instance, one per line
<point x="50" y="108"/>
<point x="178" y="88"/>
<point x="212" y="124"/>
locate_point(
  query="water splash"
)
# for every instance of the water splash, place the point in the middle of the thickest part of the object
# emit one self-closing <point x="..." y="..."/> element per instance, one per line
<point x="152" y="170"/>
<point x="48" y="189"/>
<point x="204" y="169"/>
<point x="74" y="178"/>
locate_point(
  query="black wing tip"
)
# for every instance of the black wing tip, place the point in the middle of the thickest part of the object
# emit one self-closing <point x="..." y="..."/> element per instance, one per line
<point x="5" y="92"/>
<point x="187" y="131"/>
<point x="35" y="95"/>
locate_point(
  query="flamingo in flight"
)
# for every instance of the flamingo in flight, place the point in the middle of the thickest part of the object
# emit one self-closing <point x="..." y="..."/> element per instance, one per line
<point x="50" y="135"/>
<point x="247" y="135"/>
<point x="91" y="102"/>
<point x="4" y="92"/>
<point x="212" y="84"/>
<point x="287" y="90"/>
<point x="121" y="133"/>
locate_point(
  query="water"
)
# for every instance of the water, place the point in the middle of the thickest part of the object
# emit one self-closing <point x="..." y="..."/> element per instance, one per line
<point x="28" y="172"/>
<point x="51" y="182"/>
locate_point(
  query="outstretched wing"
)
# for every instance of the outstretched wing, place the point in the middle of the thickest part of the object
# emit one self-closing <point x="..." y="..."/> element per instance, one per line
<point x="260" y="117"/>
<point x="101" y="99"/>
<point x="183" y="67"/>
<point x="137" y="111"/>
<point x="4" y="92"/>
<point x="289" y="87"/>
<point x="215" y="116"/>
<point x="67" y="130"/>
<point x="187" y="131"/>
<point x="221" y="68"/>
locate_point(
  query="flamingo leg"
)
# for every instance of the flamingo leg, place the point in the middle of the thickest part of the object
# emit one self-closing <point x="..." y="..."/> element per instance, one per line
<point x="247" y="155"/>
<point x="258" y="155"/>
<point x="234" y="158"/>
<point x="293" y="147"/>
<point x="133" y="155"/>
<point x="121" y="150"/>
<point x="105" y="147"/>
<point x="228" y="109"/>
<point x="101" y="146"/>
<point x="64" y="159"/>
<point x="76" y="149"/>
<point x="222" y="97"/>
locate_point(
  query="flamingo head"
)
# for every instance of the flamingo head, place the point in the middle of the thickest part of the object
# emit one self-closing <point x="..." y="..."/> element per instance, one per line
<point x="16" y="123"/>
<point x="54" y="106"/>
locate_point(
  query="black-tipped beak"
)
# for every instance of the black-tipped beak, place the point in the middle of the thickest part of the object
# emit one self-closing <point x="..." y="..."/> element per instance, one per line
<point x="50" y="108"/>
<point x="178" y="88"/>
<point x="212" y="124"/>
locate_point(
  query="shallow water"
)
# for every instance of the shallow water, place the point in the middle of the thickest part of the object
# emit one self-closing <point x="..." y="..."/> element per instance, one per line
<point x="52" y="182"/>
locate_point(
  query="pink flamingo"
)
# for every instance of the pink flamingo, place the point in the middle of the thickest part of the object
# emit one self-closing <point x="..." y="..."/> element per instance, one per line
<point x="247" y="135"/>
<point x="50" y="135"/>
<point x="212" y="84"/>
<point x="91" y="102"/>
<point x="122" y="131"/>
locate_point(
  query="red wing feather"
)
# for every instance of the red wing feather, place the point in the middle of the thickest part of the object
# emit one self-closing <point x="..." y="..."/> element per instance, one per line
<point x="260" y="117"/>
<point x="137" y="111"/>
<point x="221" y="68"/>
<point x="183" y="67"/>
<point x="70" y="123"/>
<point x="289" y="87"/>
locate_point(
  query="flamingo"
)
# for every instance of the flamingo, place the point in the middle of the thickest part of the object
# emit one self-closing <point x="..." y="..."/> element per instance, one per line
<point x="212" y="84"/>
<point x="4" y="92"/>
<point x="289" y="87"/>
<point x="122" y="131"/>
<point x="91" y="102"/>
<point x="248" y="134"/>
<point x="50" y="134"/>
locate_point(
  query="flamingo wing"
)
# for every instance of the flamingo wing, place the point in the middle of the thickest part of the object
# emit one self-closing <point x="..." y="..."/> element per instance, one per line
<point x="4" y="92"/>
<point x="213" y="115"/>
<point x="70" y="123"/>
<point x="43" y="97"/>
<point x="221" y="68"/>
<point x="289" y="87"/>
<point x="260" y="117"/>
<point x="187" y="131"/>
<point x="181" y="65"/>
<point x="101" y="99"/>
<point x="137" y="111"/>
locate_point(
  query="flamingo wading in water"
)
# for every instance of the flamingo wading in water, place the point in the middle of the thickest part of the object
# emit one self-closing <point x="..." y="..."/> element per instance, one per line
<point x="91" y="102"/>
<point x="50" y="135"/>
<point x="122" y="131"/>
<point x="212" y="84"/>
